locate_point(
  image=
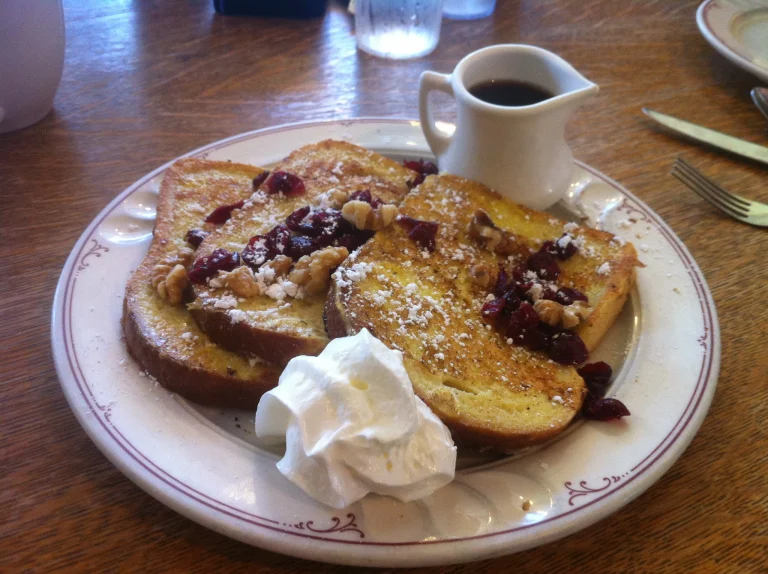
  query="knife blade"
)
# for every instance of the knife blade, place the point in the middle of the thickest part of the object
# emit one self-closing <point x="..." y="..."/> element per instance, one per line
<point x="710" y="137"/>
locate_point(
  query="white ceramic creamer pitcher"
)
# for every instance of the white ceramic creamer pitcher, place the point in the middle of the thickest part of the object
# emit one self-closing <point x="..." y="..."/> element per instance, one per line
<point x="518" y="151"/>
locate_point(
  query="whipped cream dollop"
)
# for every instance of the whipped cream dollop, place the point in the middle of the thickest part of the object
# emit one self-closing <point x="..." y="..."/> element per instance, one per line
<point x="353" y="425"/>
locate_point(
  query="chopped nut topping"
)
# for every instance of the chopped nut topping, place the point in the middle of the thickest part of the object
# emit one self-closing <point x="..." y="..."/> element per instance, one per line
<point x="480" y="274"/>
<point x="549" y="312"/>
<point x="171" y="288"/>
<point x="573" y="314"/>
<point x="184" y="257"/>
<point x="363" y="216"/>
<point x="167" y="278"/>
<point x="241" y="282"/>
<point x="536" y="291"/>
<point x="335" y="198"/>
<point x="313" y="272"/>
<point x="281" y="264"/>
<point x="484" y="230"/>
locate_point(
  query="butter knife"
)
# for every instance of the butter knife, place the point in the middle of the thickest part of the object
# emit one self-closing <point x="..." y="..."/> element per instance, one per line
<point x="711" y="137"/>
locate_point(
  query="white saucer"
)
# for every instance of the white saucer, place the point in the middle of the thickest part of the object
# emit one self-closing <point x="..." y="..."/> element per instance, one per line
<point x="738" y="29"/>
<point x="206" y="464"/>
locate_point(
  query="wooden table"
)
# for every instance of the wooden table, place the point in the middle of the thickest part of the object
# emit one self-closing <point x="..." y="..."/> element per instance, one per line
<point x="147" y="81"/>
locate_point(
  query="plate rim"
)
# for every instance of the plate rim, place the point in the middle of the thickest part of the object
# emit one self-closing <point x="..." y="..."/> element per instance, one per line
<point x="187" y="504"/>
<point x="722" y="45"/>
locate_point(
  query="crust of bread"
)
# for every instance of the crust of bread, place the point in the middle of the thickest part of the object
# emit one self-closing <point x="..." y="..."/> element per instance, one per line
<point x="486" y="391"/>
<point x="280" y="330"/>
<point x="163" y="338"/>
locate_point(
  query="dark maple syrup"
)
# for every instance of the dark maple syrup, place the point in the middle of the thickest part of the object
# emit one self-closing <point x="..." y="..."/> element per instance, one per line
<point x="509" y="93"/>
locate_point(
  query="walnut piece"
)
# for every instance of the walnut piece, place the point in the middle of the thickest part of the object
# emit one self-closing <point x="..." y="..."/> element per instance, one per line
<point x="241" y="282"/>
<point x="554" y="314"/>
<point x="480" y="274"/>
<point x="549" y="312"/>
<point x="313" y="272"/>
<point x="363" y="216"/>
<point x="335" y="198"/>
<point x="573" y="314"/>
<point x="183" y="256"/>
<point x="482" y="228"/>
<point x="280" y="265"/>
<point x="171" y="288"/>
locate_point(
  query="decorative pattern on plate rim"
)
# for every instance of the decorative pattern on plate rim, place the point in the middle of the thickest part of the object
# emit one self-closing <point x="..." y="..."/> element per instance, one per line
<point x="95" y="249"/>
<point x="630" y="209"/>
<point x="336" y="526"/>
<point x="584" y="490"/>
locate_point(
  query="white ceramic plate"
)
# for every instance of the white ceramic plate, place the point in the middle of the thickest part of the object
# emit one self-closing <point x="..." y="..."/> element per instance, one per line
<point x="206" y="464"/>
<point x="738" y="29"/>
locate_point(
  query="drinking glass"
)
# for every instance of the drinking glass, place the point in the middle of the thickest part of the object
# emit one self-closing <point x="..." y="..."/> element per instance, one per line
<point x="468" y="9"/>
<point x="398" y="29"/>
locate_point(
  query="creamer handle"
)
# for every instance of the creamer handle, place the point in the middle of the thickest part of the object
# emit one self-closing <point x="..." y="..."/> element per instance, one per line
<point x="437" y="140"/>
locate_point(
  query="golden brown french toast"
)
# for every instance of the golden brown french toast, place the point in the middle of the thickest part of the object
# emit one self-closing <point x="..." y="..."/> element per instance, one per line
<point x="259" y="304"/>
<point x="159" y="331"/>
<point x="435" y="306"/>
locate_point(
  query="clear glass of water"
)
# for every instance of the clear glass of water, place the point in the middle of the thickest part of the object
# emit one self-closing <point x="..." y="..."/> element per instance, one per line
<point x="398" y="29"/>
<point x="468" y="9"/>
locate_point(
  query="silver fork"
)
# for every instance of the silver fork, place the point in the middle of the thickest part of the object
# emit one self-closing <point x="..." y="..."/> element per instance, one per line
<point x="740" y="208"/>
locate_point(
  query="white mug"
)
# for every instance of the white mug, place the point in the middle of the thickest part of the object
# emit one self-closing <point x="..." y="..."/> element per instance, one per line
<point x="518" y="151"/>
<point x="31" y="60"/>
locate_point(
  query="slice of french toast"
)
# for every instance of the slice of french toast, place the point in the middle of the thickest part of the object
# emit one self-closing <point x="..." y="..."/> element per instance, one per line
<point x="159" y="330"/>
<point x="431" y="304"/>
<point x="274" y="318"/>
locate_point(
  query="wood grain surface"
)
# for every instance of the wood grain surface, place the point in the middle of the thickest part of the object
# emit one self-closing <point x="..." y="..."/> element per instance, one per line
<point x="145" y="81"/>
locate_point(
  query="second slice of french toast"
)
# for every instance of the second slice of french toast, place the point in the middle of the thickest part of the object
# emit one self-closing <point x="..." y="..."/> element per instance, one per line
<point x="276" y="325"/>
<point x="428" y="304"/>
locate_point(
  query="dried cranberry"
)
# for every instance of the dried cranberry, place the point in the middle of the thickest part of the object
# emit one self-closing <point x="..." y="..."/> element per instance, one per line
<point x="536" y="339"/>
<point x="295" y="218"/>
<point x="277" y="240"/>
<point x="566" y="250"/>
<point x="324" y="222"/>
<point x="223" y="213"/>
<point x="259" y="179"/>
<point x="560" y="249"/>
<point x="597" y="376"/>
<point x="567" y="295"/>
<point x="519" y="271"/>
<point x="512" y="301"/>
<point x="286" y="183"/>
<point x="195" y="237"/>
<point x="206" y="267"/>
<point x="544" y="265"/>
<point x="502" y="282"/>
<point x="423" y="233"/>
<point x="362" y="195"/>
<point x="256" y="252"/>
<point x="549" y="294"/>
<point x="520" y="322"/>
<point x="263" y="248"/>
<point x="353" y="240"/>
<point x="365" y="195"/>
<point x="567" y="348"/>
<point x="600" y="409"/>
<point x="492" y="309"/>
<point x="407" y="222"/>
<point x="301" y="245"/>
<point x="421" y="166"/>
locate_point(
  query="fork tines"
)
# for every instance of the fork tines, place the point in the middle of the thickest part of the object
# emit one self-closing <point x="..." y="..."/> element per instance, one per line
<point x="708" y="190"/>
